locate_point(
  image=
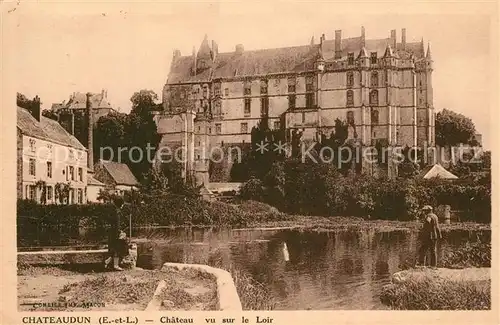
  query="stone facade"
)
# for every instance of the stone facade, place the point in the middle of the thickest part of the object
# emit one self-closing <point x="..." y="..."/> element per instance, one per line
<point x="47" y="153"/>
<point x="381" y="87"/>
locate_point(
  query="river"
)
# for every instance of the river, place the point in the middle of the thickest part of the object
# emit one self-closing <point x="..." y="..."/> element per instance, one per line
<point x="302" y="269"/>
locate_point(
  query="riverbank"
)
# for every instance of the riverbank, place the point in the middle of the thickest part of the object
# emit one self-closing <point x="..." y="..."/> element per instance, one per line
<point x="59" y="289"/>
<point x="462" y="283"/>
<point x="316" y="223"/>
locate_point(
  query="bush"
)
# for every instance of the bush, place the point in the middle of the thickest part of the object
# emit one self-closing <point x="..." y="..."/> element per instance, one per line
<point x="54" y="224"/>
<point x="476" y="254"/>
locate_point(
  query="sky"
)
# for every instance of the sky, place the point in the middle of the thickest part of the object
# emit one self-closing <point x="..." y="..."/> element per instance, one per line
<point x="59" y="48"/>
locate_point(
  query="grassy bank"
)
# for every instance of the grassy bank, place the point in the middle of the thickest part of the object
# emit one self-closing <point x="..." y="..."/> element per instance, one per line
<point x="356" y="223"/>
<point x="435" y="293"/>
<point x="128" y="290"/>
<point x="438" y="294"/>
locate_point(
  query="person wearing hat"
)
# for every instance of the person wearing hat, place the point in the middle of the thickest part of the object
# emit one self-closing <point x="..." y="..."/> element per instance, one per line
<point x="429" y="236"/>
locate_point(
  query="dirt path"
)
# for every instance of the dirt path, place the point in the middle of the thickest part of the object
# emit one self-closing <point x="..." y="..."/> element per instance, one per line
<point x="53" y="289"/>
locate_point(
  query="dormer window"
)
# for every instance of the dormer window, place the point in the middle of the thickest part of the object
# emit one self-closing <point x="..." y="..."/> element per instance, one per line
<point x="350" y="58"/>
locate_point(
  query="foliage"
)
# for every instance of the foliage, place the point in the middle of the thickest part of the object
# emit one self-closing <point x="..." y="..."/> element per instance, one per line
<point x="477" y="254"/>
<point x="321" y="189"/>
<point x="59" y="224"/>
<point x="453" y="128"/>
<point x="437" y="294"/>
<point x="50" y="114"/>
<point x="135" y="132"/>
<point x="24" y="102"/>
<point x="61" y="191"/>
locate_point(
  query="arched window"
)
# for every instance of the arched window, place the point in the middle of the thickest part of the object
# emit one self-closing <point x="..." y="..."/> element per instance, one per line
<point x="350" y="79"/>
<point x="350" y="98"/>
<point x="350" y="117"/>
<point x="375" y="117"/>
<point x="374" y="79"/>
<point x="374" y="97"/>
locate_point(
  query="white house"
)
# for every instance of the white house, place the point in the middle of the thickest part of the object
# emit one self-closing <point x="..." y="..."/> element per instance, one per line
<point x="48" y="159"/>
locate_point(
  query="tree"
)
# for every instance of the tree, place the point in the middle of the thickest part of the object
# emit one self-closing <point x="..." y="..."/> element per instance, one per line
<point x="50" y="114"/>
<point x="109" y="132"/>
<point x="141" y="132"/>
<point x="453" y="129"/>
<point x="24" y="102"/>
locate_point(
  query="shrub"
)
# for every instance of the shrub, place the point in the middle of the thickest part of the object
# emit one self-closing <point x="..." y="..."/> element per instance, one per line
<point x="476" y="254"/>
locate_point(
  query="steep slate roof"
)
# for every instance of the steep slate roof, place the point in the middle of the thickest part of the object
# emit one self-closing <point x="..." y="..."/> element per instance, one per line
<point x="47" y="129"/>
<point x="437" y="171"/>
<point x="280" y="60"/>
<point x="120" y="173"/>
<point x="79" y="100"/>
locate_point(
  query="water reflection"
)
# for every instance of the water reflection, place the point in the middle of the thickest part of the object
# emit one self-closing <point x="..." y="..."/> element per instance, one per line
<point x="303" y="270"/>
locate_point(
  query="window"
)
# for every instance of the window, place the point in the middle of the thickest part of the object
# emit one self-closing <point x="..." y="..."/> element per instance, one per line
<point x="226" y="91"/>
<point x="72" y="173"/>
<point x="80" y="174"/>
<point x="218" y="128"/>
<point x="71" y="155"/>
<point x="375" y="117"/>
<point x="292" y="81"/>
<point x="276" y="125"/>
<point x="350" y="117"/>
<point x="374" y="79"/>
<point x="303" y="117"/>
<point x="263" y="86"/>
<point x="205" y="91"/>
<point x="309" y="92"/>
<point x="373" y="58"/>
<point x="244" y="127"/>
<point x="217" y="89"/>
<point x="350" y="58"/>
<point x="32" y="191"/>
<point x="209" y="130"/>
<point x="247" y="88"/>
<point x="291" y="101"/>
<point x="32" y="167"/>
<point x="49" y="169"/>
<point x="264" y="106"/>
<point x="50" y="193"/>
<point x="350" y="98"/>
<point x="374" y="97"/>
<point x="80" y="196"/>
<point x="32" y="145"/>
<point x="248" y="103"/>
<point x="350" y="79"/>
<point x="72" y="196"/>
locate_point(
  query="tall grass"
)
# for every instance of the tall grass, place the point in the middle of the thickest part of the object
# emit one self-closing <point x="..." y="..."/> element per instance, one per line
<point x="434" y="294"/>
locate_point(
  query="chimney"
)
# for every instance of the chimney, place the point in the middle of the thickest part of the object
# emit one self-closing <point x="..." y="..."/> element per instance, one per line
<point x="363" y="36"/>
<point x="90" y="143"/>
<point x="239" y="49"/>
<point x="403" y="37"/>
<point x="176" y="54"/>
<point x="338" y="44"/>
<point x="393" y="39"/>
<point x="35" y="109"/>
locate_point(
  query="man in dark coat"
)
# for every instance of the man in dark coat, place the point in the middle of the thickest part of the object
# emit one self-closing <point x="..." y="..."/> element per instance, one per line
<point x="429" y="236"/>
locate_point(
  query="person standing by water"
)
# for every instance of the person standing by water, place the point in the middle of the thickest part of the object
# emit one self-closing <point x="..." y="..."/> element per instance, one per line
<point x="429" y="236"/>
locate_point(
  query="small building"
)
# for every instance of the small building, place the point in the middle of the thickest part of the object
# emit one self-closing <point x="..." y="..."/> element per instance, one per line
<point x="51" y="163"/>
<point x="117" y="177"/>
<point x="437" y="171"/>
<point x="94" y="187"/>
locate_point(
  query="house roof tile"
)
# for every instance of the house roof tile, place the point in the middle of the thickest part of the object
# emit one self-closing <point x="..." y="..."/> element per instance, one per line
<point x="47" y="129"/>
<point x="120" y="173"/>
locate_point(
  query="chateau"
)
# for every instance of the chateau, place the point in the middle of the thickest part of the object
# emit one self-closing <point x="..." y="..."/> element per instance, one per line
<point x="381" y="87"/>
